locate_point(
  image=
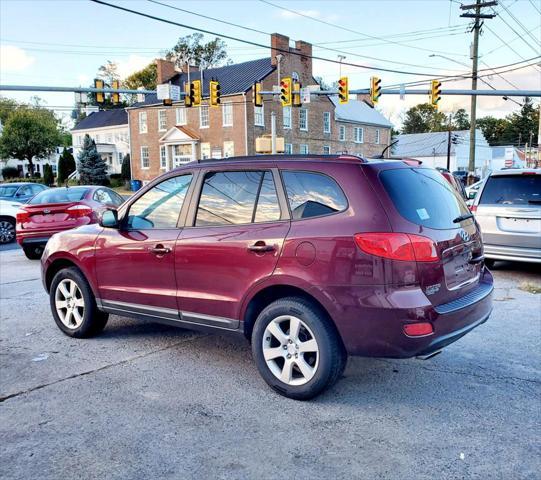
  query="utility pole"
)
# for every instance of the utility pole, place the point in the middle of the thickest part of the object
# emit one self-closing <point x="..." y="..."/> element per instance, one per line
<point x="273" y="132"/>
<point x="449" y="144"/>
<point x="477" y="16"/>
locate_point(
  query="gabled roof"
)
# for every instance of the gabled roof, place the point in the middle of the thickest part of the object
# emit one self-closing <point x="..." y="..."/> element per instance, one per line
<point x="358" y="112"/>
<point x="433" y="143"/>
<point x="236" y="78"/>
<point x="103" y="118"/>
<point x="177" y="133"/>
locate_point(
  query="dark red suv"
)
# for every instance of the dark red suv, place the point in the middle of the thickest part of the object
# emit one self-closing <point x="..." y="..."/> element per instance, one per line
<point x="312" y="258"/>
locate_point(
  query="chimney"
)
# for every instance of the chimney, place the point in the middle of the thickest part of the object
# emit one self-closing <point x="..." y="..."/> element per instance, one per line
<point x="279" y="45"/>
<point x="165" y="70"/>
<point x="365" y="97"/>
<point x="305" y="49"/>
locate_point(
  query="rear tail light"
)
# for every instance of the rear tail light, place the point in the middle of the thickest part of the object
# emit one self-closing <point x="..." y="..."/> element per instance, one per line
<point x="473" y="208"/>
<point x="398" y="246"/>
<point x="23" y="216"/>
<point x="78" y="211"/>
<point x="418" y="329"/>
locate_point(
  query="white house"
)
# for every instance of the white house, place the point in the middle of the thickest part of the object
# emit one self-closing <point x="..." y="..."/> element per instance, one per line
<point x="109" y="129"/>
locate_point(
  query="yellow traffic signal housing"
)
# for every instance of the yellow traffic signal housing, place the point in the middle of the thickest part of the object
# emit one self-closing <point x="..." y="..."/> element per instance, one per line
<point x="188" y="95"/>
<point x="375" y="89"/>
<point x="285" y="91"/>
<point x="215" y="93"/>
<point x="100" y="96"/>
<point x="296" y="100"/>
<point x="343" y="90"/>
<point x="196" y="93"/>
<point x="257" y="97"/>
<point x="435" y="92"/>
<point x="115" y="96"/>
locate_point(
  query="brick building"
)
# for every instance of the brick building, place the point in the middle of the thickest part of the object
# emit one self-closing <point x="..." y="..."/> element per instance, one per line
<point x="163" y="137"/>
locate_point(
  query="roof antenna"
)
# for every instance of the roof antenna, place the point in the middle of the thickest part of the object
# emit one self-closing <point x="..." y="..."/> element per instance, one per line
<point x="381" y="155"/>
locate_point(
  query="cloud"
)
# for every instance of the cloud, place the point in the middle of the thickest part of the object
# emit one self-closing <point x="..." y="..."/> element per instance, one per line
<point x="14" y="59"/>
<point x="132" y="64"/>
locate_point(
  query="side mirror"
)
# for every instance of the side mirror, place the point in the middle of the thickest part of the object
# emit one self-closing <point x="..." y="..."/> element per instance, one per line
<point x="109" y="219"/>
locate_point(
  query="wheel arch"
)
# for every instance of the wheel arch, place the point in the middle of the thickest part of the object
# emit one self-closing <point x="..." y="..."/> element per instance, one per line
<point x="61" y="263"/>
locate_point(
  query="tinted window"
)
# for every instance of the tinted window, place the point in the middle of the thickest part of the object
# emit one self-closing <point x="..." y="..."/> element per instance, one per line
<point x="102" y="196"/>
<point x="37" y="188"/>
<point x="229" y="198"/>
<point x="424" y="197"/>
<point x="8" y="191"/>
<point x="59" y="195"/>
<point x="312" y="194"/>
<point x="160" y="206"/>
<point x="512" y="190"/>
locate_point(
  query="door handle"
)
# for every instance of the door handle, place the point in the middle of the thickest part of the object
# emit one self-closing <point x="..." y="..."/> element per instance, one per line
<point x="261" y="247"/>
<point x="159" y="250"/>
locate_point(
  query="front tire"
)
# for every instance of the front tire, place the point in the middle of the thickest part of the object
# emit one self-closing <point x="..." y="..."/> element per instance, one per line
<point x="7" y="230"/>
<point x="74" y="306"/>
<point x="297" y="349"/>
<point x="33" y="252"/>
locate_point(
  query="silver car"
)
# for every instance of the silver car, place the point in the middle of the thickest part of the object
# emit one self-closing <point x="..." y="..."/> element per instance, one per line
<point x="508" y="209"/>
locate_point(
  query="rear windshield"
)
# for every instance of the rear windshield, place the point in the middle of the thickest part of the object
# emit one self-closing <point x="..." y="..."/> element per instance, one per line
<point x="424" y="197"/>
<point x="512" y="190"/>
<point x="8" y="191"/>
<point x="59" y="195"/>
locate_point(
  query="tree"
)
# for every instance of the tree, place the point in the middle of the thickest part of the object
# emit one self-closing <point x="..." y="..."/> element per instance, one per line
<point x="10" y="172"/>
<point x="493" y="129"/>
<point x="92" y="168"/>
<point x="125" y="171"/>
<point x="7" y="106"/>
<point x="460" y="120"/>
<point x="189" y="49"/>
<point x="48" y="176"/>
<point x="66" y="166"/>
<point x="29" y="133"/>
<point x="108" y="72"/>
<point x="521" y="124"/>
<point x="146" y="78"/>
<point x="424" y="118"/>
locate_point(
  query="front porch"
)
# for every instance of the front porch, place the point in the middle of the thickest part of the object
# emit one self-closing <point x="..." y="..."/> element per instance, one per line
<point x="178" y="146"/>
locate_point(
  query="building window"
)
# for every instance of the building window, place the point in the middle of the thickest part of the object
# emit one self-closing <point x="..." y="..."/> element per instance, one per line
<point x="287" y="117"/>
<point x="326" y="122"/>
<point x="180" y="116"/>
<point x="326" y="150"/>
<point x="259" y="116"/>
<point x="288" y="150"/>
<point x="303" y="149"/>
<point x="303" y="119"/>
<point x="142" y="122"/>
<point x="163" y="157"/>
<point x="119" y="157"/>
<point x="229" y="149"/>
<point x="359" y="135"/>
<point x="205" y="150"/>
<point x="204" y="116"/>
<point x="162" y="120"/>
<point x="376" y="141"/>
<point x="227" y="114"/>
<point x="342" y="133"/>
<point x="145" y="160"/>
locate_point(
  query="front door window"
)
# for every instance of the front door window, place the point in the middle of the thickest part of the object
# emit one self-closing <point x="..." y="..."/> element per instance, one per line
<point x="182" y="154"/>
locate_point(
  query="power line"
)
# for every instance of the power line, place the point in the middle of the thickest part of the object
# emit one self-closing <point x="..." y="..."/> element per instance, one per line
<point x="520" y="35"/>
<point x="534" y="6"/>
<point x="519" y="23"/>
<point x="505" y="44"/>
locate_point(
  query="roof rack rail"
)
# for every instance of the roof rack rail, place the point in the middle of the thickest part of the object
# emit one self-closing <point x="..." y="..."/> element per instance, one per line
<point x="278" y="156"/>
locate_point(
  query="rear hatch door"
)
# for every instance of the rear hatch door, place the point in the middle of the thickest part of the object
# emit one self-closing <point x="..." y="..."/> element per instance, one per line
<point x="51" y="216"/>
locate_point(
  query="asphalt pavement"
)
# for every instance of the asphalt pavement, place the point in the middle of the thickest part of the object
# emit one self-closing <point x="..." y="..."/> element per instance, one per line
<point x="145" y="401"/>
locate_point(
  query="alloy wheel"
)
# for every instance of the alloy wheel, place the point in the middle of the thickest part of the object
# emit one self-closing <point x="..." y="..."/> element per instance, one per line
<point x="7" y="231"/>
<point x="70" y="304"/>
<point x="290" y="350"/>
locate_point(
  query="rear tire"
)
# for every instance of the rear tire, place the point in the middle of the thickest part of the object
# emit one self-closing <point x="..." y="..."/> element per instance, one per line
<point x="33" y="252"/>
<point x="7" y="230"/>
<point x="297" y="349"/>
<point x="74" y="306"/>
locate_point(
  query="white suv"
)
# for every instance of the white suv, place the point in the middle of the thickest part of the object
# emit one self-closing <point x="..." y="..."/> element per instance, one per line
<point x="8" y="214"/>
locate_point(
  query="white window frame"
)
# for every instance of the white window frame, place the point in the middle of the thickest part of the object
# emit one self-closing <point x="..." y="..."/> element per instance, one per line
<point x="326" y="149"/>
<point x="205" y="146"/>
<point x="204" y="108"/>
<point x="227" y="114"/>
<point x="143" y="149"/>
<point x="180" y="116"/>
<point x="286" y="112"/>
<point x="303" y="146"/>
<point x="163" y="157"/>
<point x="342" y="133"/>
<point x="288" y="148"/>
<point x="326" y="122"/>
<point x="162" y="120"/>
<point x="378" y="137"/>
<point x="259" y="114"/>
<point x="358" y="135"/>
<point x="143" y="125"/>
<point x="305" y="111"/>
<point x="229" y="143"/>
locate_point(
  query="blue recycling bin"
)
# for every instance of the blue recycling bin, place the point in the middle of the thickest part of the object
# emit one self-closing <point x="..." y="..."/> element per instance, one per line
<point x="136" y="185"/>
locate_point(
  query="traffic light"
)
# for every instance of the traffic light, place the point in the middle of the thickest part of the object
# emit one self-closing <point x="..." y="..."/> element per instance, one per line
<point x="115" y="96"/>
<point x="187" y="95"/>
<point x="214" y="88"/>
<point x="285" y="92"/>
<point x="296" y="100"/>
<point x="375" y="89"/>
<point x="100" y="96"/>
<point x="257" y="97"/>
<point x="343" y="90"/>
<point x="196" y="93"/>
<point x="435" y="93"/>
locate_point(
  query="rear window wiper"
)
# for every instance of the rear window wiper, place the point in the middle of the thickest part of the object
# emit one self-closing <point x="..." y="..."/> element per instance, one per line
<point x="463" y="217"/>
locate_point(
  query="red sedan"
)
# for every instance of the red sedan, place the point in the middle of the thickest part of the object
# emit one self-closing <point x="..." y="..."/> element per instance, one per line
<point x="58" y="209"/>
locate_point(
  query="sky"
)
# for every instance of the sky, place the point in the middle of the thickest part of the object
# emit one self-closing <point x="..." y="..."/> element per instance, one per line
<point x="64" y="42"/>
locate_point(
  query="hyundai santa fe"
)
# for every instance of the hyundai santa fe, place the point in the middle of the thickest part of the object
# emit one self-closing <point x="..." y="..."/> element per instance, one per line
<point x="312" y="258"/>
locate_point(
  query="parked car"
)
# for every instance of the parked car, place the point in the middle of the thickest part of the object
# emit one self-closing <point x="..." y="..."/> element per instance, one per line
<point x="58" y="209"/>
<point x="20" y="192"/>
<point x="8" y="214"/>
<point x="472" y="190"/>
<point x="455" y="181"/>
<point x="311" y="258"/>
<point x="508" y="209"/>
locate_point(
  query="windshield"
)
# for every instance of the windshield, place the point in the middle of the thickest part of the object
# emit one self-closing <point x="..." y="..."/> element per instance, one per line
<point x="8" y="190"/>
<point x="424" y="197"/>
<point x="512" y="190"/>
<point x="59" y="195"/>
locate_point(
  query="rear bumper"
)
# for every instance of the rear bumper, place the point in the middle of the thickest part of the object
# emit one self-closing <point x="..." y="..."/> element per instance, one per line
<point x="39" y="237"/>
<point x="371" y="322"/>
<point x="513" y="254"/>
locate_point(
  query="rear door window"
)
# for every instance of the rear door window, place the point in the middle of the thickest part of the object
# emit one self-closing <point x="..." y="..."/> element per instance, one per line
<point x="512" y="190"/>
<point x="424" y="197"/>
<point x="312" y="194"/>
